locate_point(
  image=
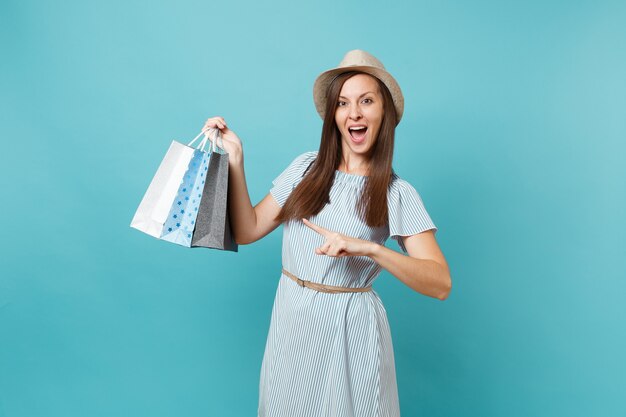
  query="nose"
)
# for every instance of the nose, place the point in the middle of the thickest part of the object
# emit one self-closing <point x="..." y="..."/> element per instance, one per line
<point x="355" y="112"/>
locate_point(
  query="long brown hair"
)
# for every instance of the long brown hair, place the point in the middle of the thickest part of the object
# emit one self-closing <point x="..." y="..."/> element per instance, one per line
<point x="312" y="193"/>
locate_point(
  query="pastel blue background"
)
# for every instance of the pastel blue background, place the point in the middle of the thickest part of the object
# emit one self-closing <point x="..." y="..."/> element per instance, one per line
<point x="513" y="133"/>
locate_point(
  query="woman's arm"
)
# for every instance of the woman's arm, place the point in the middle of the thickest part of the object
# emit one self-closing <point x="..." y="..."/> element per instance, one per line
<point x="425" y="269"/>
<point x="248" y="223"/>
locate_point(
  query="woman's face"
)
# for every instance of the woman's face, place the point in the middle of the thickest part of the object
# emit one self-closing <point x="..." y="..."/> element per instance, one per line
<point x="359" y="114"/>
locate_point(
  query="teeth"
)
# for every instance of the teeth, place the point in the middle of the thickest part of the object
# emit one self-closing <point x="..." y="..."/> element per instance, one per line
<point x="358" y="128"/>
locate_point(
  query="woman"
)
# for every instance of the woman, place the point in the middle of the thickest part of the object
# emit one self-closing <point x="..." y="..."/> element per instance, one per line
<point x="329" y="350"/>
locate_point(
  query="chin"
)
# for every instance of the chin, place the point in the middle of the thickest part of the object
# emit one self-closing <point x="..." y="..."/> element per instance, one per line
<point x="358" y="148"/>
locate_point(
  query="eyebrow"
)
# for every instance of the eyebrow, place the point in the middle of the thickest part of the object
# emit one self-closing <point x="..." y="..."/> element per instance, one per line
<point x="360" y="95"/>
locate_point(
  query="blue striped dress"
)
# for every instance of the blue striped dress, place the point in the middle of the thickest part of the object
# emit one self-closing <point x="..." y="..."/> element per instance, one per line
<point x="327" y="354"/>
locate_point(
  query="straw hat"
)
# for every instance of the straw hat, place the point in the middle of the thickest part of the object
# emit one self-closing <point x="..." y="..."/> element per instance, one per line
<point x="362" y="61"/>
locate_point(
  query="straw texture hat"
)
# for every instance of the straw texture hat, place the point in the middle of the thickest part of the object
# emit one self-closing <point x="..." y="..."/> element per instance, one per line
<point x="363" y="61"/>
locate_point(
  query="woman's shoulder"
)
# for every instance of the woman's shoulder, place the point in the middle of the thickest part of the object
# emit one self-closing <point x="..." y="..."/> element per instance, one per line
<point x="399" y="184"/>
<point x="303" y="160"/>
<point x="300" y="163"/>
<point x="402" y="190"/>
<point x="306" y="156"/>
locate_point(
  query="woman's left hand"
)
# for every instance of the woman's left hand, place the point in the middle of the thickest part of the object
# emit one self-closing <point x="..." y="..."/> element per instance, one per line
<point x="338" y="245"/>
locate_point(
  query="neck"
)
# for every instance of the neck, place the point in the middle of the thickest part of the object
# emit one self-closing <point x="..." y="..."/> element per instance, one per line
<point x="352" y="165"/>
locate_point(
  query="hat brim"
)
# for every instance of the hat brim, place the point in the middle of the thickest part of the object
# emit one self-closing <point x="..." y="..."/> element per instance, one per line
<point x="323" y="81"/>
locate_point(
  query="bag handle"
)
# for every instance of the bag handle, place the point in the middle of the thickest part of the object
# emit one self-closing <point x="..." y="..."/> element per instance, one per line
<point x="195" y="139"/>
<point x="212" y="143"/>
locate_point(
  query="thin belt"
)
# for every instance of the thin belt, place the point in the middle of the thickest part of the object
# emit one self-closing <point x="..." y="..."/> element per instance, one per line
<point x="324" y="288"/>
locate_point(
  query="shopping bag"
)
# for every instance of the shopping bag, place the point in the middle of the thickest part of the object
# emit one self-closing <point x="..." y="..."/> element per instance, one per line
<point x="212" y="227"/>
<point x="180" y="222"/>
<point x="154" y="209"/>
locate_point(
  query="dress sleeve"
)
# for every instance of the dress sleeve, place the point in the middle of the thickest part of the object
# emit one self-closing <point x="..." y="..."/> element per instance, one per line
<point x="407" y="214"/>
<point x="290" y="177"/>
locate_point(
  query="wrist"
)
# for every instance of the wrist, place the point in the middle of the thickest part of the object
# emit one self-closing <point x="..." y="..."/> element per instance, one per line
<point x="373" y="249"/>
<point x="235" y="160"/>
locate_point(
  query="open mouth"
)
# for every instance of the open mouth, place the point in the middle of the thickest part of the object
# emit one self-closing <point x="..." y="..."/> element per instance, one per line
<point x="358" y="133"/>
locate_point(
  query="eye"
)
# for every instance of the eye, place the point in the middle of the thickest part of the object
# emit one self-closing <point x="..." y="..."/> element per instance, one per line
<point x="341" y="103"/>
<point x="370" y="100"/>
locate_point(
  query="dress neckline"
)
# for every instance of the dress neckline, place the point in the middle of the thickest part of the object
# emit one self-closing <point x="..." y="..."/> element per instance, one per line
<point x="352" y="175"/>
<point x="350" y="178"/>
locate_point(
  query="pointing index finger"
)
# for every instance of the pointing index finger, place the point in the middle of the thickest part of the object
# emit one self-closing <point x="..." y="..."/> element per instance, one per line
<point x="315" y="227"/>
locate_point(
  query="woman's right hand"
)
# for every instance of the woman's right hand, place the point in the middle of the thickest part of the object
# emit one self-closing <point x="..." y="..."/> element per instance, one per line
<point x="230" y="140"/>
